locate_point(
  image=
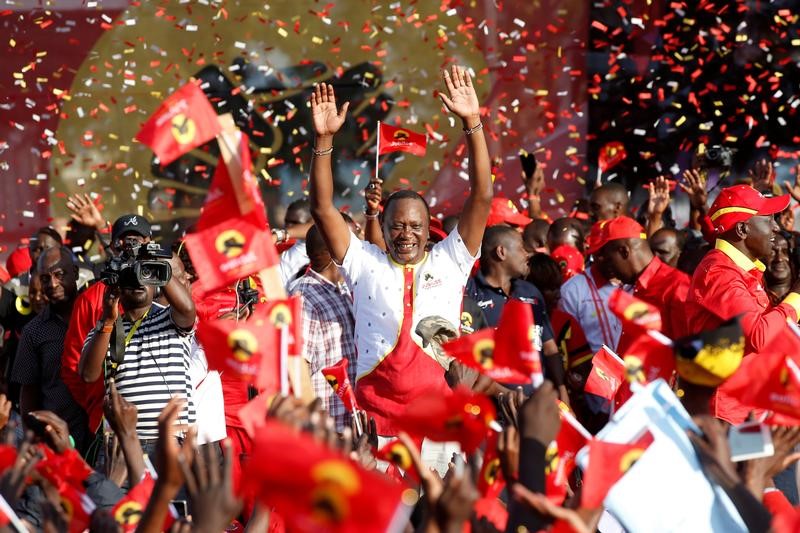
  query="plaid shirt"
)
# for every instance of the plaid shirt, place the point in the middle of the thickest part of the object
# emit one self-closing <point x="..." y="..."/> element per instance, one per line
<point x="328" y="328"/>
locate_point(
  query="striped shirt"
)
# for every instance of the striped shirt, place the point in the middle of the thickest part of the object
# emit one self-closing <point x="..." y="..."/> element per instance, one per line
<point x="155" y="368"/>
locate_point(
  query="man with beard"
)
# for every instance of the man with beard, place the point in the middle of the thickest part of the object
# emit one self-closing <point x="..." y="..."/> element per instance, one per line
<point x="395" y="289"/>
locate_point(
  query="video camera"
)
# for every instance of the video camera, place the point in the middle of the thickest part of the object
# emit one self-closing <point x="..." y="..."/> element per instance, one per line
<point x="720" y="157"/>
<point x="139" y="265"/>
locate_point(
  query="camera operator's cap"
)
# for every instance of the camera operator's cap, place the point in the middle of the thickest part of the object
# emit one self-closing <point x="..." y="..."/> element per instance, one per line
<point x="503" y="211"/>
<point x="605" y="231"/>
<point x="135" y="224"/>
<point x="741" y="202"/>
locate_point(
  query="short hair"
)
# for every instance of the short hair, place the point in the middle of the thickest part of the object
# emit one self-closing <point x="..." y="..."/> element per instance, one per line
<point x="49" y="231"/>
<point x="493" y="237"/>
<point x="614" y="188"/>
<point x="404" y="194"/>
<point x="314" y="242"/>
<point x="545" y="272"/>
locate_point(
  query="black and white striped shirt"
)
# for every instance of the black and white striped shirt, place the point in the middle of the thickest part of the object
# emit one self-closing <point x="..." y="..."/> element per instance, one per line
<point x="155" y="368"/>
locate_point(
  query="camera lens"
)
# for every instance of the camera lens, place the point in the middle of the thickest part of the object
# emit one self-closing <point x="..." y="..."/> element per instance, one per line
<point x="146" y="273"/>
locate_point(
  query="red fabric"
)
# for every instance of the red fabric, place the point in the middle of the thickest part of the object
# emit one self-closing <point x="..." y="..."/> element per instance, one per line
<point x="184" y="121"/>
<point x="503" y="211"/>
<point x="776" y="503"/>
<point x="608" y="462"/>
<point x="315" y="488"/>
<point x="86" y="311"/>
<point x="478" y="351"/>
<point x="245" y="348"/>
<point x="396" y="453"/>
<point x="606" y="376"/>
<point x="18" y="261"/>
<point x="394" y="139"/>
<point x="613" y="229"/>
<point x="4" y="275"/>
<point x="128" y="511"/>
<point x="570" y="338"/>
<point x="769" y="381"/>
<point x="490" y="479"/>
<point x="570" y="260"/>
<point x="461" y="416"/>
<point x="721" y="290"/>
<point x="403" y="375"/>
<point x="337" y="378"/>
<point x="667" y="289"/>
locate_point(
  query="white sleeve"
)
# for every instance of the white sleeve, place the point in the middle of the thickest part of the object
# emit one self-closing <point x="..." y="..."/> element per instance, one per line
<point x="359" y="255"/>
<point x="453" y="246"/>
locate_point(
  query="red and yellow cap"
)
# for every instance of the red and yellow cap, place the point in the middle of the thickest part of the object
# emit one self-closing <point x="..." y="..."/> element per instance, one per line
<point x="740" y="203"/>
<point x="504" y="211"/>
<point x="606" y="231"/>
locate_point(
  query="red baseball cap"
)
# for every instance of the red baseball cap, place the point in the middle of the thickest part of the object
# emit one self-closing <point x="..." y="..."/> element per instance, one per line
<point x="606" y="231"/>
<point x="504" y="211"/>
<point x="740" y="203"/>
<point x="570" y="260"/>
<point x="18" y="262"/>
<point x="436" y="230"/>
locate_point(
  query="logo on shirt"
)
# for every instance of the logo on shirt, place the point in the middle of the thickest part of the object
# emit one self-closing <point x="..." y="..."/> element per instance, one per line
<point x="430" y="281"/>
<point x="486" y="304"/>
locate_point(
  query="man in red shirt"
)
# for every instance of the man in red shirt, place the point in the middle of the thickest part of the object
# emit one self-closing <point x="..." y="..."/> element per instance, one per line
<point x="622" y="252"/>
<point x="728" y="281"/>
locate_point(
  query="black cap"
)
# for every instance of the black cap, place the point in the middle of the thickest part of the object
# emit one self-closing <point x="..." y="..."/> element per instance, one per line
<point x="135" y="224"/>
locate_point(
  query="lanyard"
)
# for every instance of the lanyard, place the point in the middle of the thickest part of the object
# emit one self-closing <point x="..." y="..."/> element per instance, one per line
<point x="135" y="326"/>
<point x="602" y="319"/>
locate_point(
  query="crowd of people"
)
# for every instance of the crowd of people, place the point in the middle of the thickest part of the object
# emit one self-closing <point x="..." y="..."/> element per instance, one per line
<point x="109" y="395"/>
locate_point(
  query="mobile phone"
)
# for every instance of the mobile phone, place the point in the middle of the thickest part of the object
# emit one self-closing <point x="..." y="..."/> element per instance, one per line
<point x="529" y="163"/>
<point x="181" y="507"/>
<point x="750" y="440"/>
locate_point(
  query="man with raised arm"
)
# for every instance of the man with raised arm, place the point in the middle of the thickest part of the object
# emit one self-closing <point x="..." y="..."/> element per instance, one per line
<point x="394" y="289"/>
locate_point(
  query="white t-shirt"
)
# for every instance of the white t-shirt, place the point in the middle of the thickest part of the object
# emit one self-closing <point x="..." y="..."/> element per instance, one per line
<point x="292" y="260"/>
<point x="376" y="282"/>
<point x="207" y="396"/>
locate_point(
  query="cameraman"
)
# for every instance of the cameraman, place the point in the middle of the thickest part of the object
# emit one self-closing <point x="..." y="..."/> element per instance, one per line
<point x="127" y="232"/>
<point x="144" y="347"/>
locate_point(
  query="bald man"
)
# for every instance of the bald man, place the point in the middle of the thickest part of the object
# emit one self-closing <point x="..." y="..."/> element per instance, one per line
<point x="608" y="201"/>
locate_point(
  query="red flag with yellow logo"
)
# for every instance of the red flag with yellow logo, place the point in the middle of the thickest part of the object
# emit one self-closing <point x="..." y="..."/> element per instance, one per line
<point x="608" y="462"/>
<point x="769" y="380"/>
<point x="463" y="416"/>
<point x="128" y="511"/>
<point x="229" y="251"/>
<point x="337" y="378"/>
<point x="490" y="479"/>
<point x="560" y="459"/>
<point x="184" y="121"/>
<point x="313" y="488"/>
<point x="396" y="453"/>
<point x="478" y="351"/>
<point x="289" y="313"/>
<point x="246" y="348"/>
<point x="634" y="312"/>
<point x="607" y="374"/>
<point x="394" y="139"/>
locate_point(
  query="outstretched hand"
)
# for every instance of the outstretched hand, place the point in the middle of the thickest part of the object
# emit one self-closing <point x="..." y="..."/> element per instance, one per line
<point x="659" y="197"/>
<point x="84" y="211"/>
<point x="326" y="117"/>
<point x="695" y="186"/>
<point x="461" y="98"/>
<point x="794" y="189"/>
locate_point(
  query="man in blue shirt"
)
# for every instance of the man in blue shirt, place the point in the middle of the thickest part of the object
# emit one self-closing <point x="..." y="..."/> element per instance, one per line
<point x="503" y="267"/>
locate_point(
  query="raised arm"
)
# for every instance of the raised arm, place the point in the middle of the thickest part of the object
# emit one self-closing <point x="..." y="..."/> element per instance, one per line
<point x="327" y="120"/>
<point x="463" y="102"/>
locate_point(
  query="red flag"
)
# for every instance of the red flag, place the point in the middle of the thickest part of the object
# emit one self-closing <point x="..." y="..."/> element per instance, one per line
<point x="608" y="462"/>
<point x="288" y="313"/>
<point x="78" y="508"/>
<point x="490" y="478"/>
<point x="478" y="351"/>
<point x="128" y="511"/>
<point x="253" y="414"/>
<point x="516" y="338"/>
<point x="769" y="380"/>
<point x="314" y="488"/>
<point x="234" y="195"/>
<point x="337" y="378"/>
<point x="245" y="348"/>
<point x="560" y="454"/>
<point x="394" y="139"/>
<point x="396" y="453"/>
<point x="634" y="312"/>
<point x="462" y="416"/>
<point x="182" y="122"/>
<point x="611" y="155"/>
<point x="229" y="251"/>
<point x="606" y="376"/>
<point x="508" y="354"/>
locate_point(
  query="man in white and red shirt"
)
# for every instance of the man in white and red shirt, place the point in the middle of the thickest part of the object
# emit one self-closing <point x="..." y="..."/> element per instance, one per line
<point x="394" y="290"/>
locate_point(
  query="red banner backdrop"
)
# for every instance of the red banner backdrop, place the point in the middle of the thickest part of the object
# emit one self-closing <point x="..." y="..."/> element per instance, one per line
<point x="78" y="80"/>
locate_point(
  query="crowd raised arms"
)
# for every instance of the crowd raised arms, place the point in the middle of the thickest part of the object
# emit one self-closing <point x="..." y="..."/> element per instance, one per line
<point x="395" y="367"/>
